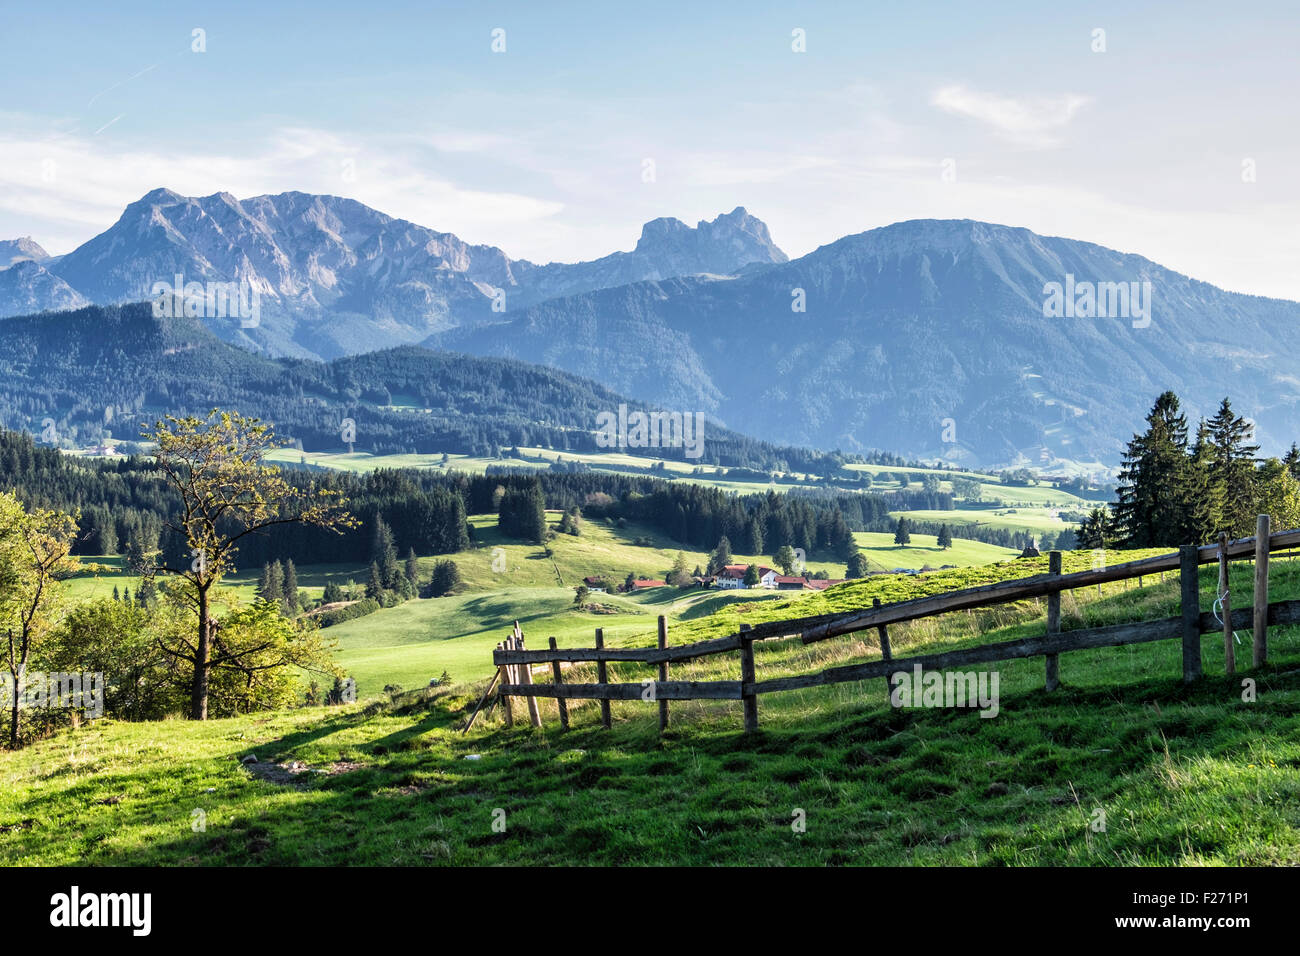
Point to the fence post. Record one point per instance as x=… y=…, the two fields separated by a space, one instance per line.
x=1053 y=661
x=886 y=654
x=602 y=676
x=1225 y=606
x=1188 y=571
x=747 y=676
x=508 y=645
x=663 y=673
x=560 y=701
x=526 y=673
x=1260 y=655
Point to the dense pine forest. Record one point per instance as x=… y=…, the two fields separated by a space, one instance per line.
x=123 y=506
x=109 y=371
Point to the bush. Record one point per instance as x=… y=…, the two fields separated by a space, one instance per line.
x=349 y=613
x=446 y=578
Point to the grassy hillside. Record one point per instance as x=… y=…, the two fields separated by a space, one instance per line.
x=361 y=461
x=1014 y=518
x=415 y=642
x=1183 y=775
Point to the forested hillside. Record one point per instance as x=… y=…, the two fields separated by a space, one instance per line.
x=78 y=377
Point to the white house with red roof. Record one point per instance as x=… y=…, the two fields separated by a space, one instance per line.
x=733 y=577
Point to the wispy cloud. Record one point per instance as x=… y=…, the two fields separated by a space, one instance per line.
x=1031 y=121
x=76 y=185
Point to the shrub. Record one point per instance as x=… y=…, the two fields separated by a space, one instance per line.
x=351 y=612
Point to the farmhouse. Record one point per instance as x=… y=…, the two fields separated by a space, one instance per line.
x=594 y=585
x=789 y=583
x=641 y=583
x=733 y=576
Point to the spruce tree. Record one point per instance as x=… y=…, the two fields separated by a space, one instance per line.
x=383 y=552
x=1095 y=531
x=721 y=556
x=273 y=592
x=1202 y=500
x=857 y=566
x=412 y=568
x=1232 y=469
x=679 y=576
x=1149 y=509
x=290 y=587
x=375 y=583
x=1292 y=461
x=902 y=532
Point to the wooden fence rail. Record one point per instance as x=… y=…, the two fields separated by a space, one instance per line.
x=514 y=662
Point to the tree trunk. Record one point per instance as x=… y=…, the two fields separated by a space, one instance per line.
x=199 y=694
x=17 y=701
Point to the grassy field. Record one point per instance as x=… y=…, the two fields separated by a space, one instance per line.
x=993 y=489
x=507 y=580
x=105 y=572
x=924 y=550
x=1179 y=775
x=1037 y=520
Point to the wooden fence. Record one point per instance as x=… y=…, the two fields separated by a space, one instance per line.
x=515 y=662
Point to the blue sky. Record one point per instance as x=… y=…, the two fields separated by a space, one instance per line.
x=541 y=149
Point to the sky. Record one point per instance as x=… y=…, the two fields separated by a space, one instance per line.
x=555 y=130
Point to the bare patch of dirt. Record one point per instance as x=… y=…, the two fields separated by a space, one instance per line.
x=297 y=774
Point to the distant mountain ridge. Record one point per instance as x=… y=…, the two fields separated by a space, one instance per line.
x=928 y=338
x=17 y=250
x=336 y=277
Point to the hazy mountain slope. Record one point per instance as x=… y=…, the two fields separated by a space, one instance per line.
x=27 y=286
x=16 y=250
x=919 y=322
x=114 y=368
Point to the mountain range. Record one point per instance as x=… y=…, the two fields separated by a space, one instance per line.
x=335 y=277
x=928 y=337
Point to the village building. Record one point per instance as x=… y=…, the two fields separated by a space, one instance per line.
x=733 y=577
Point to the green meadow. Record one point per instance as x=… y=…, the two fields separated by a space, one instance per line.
x=1123 y=765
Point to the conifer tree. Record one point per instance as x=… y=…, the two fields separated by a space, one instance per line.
x=1292 y=461
x=375 y=583
x=902 y=532
x=721 y=556
x=1202 y=501
x=271 y=589
x=290 y=587
x=1232 y=469
x=1148 y=510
